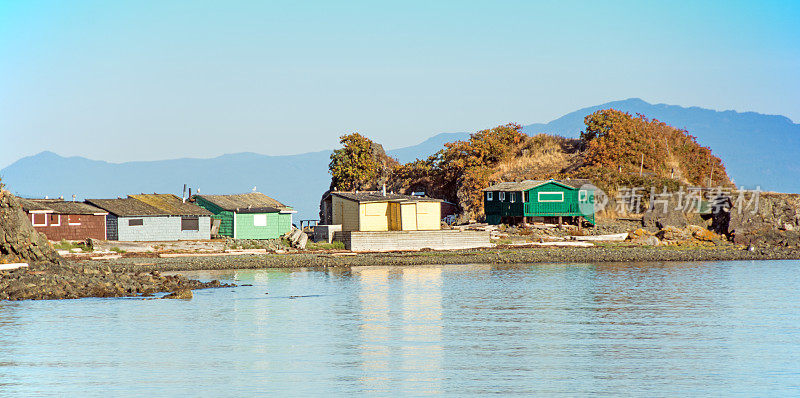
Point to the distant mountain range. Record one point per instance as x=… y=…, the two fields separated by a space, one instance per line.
x=757 y=150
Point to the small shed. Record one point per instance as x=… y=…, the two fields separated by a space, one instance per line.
x=154 y=217
x=376 y=211
x=249 y=215
x=513 y=202
x=59 y=219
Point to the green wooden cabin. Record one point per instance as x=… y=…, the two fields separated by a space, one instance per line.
x=512 y=202
x=248 y=216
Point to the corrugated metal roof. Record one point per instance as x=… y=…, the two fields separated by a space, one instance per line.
x=376 y=196
x=529 y=184
x=59 y=206
x=249 y=202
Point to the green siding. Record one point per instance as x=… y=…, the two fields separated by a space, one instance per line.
x=277 y=225
x=226 y=226
x=532 y=207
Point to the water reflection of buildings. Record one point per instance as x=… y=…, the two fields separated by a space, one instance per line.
x=401 y=329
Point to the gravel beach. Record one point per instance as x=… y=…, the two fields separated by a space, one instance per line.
x=486 y=256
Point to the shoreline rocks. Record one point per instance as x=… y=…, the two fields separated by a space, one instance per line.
x=618 y=252
x=48 y=282
x=19 y=241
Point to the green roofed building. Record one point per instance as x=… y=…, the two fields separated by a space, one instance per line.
x=249 y=215
x=513 y=202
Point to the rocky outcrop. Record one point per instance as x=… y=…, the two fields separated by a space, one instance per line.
x=182 y=294
x=297 y=238
x=18 y=240
x=770 y=219
x=48 y=282
x=670 y=214
x=691 y=235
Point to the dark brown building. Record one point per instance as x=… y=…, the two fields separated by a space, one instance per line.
x=59 y=219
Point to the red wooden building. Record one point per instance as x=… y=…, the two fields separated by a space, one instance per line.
x=59 y=219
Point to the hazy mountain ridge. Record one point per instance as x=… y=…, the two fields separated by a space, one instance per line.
x=757 y=150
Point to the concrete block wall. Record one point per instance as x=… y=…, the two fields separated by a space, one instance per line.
x=161 y=228
x=358 y=241
x=326 y=232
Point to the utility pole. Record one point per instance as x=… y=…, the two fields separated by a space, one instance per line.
x=641 y=166
x=711 y=177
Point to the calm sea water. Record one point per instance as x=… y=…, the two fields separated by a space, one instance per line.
x=644 y=330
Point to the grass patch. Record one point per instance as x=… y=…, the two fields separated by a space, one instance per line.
x=117 y=250
x=325 y=246
x=64 y=245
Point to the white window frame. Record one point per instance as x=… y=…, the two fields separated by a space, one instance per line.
x=502 y=196
x=539 y=197
x=70 y=222
x=59 y=220
x=583 y=195
x=33 y=218
x=513 y=197
x=259 y=220
x=489 y=196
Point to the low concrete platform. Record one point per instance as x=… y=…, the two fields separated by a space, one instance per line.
x=12 y=266
x=359 y=241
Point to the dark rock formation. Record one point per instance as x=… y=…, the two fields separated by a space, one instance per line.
x=182 y=294
x=18 y=240
x=769 y=219
x=47 y=282
x=50 y=277
x=670 y=213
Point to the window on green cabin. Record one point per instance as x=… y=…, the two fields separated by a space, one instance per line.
x=551 y=196
x=502 y=196
x=260 y=220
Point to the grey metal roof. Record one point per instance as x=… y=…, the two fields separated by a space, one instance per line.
x=377 y=196
x=530 y=184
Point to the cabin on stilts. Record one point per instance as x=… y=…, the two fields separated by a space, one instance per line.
x=569 y=201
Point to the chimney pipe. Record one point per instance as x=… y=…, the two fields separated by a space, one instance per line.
x=183 y=196
x=383 y=190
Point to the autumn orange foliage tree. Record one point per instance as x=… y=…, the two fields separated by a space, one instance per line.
x=359 y=164
x=460 y=170
x=618 y=140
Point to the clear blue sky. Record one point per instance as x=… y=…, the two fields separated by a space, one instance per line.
x=142 y=80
